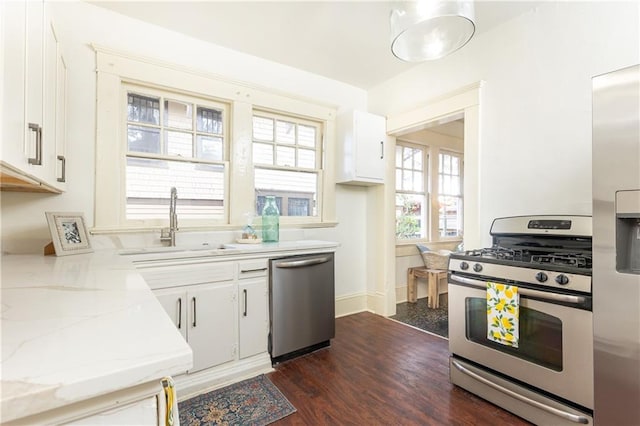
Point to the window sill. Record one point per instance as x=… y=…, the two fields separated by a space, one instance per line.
x=410 y=249
x=143 y=229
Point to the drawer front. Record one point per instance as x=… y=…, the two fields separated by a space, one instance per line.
x=253 y=268
x=181 y=275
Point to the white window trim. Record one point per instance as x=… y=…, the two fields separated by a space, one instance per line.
x=114 y=68
x=426 y=170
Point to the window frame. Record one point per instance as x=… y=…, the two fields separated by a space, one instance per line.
x=431 y=177
x=426 y=208
x=319 y=159
x=460 y=157
x=114 y=68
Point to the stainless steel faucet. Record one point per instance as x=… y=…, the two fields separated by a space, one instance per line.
x=169 y=234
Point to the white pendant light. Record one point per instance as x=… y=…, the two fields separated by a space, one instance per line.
x=430 y=29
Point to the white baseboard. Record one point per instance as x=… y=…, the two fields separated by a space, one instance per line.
x=351 y=304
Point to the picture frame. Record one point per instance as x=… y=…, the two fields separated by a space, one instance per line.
x=69 y=234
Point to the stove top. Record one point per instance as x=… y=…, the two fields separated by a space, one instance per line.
x=579 y=260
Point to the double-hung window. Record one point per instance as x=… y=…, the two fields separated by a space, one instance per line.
x=287 y=158
x=411 y=195
x=449 y=194
x=175 y=140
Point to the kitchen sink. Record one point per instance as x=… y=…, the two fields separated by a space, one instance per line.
x=210 y=249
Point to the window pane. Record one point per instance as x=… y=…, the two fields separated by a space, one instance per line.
x=306 y=158
x=200 y=189
x=455 y=166
x=446 y=164
x=407 y=180
x=178 y=114
x=299 y=206
x=179 y=143
x=209 y=120
x=262 y=128
x=285 y=132
x=407 y=155
x=287 y=184
x=446 y=185
x=417 y=159
x=306 y=136
x=418 y=181
x=455 y=185
x=262 y=153
x=398 y=156
x=450 y=216
x=209 y=148
x=285 y=156
x=143 y=139
x=143 y=109
x=398 y=179
x=409 y=216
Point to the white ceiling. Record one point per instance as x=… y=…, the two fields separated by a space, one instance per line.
x=344 y=41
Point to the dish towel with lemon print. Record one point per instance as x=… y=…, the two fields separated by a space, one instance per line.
x=503 y=308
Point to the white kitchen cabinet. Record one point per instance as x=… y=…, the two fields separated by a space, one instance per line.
x=253 y=292
x=143 y=412
x=30 y=98
x=203 y=314
x=360 y=153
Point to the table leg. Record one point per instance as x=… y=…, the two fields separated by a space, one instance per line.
x=432 y=289
x=412 y=295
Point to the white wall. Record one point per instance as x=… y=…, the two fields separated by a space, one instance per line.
x=78 y=24
x=535 y=142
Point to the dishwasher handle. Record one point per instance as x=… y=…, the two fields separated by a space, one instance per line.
x=302 y=263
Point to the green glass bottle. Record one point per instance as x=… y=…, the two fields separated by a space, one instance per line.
x=270 y=220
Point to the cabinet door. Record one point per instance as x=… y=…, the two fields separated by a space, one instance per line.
x=254 y=321
x=211 y=324
x=49 y=103
x=14 y=49
x=174 y=301
x=61 y=121
x=34 y=90
x=369 y=137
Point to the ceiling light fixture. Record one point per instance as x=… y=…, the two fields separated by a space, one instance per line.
x=430 y=29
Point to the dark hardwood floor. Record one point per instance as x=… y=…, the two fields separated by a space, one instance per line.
x=380 y=372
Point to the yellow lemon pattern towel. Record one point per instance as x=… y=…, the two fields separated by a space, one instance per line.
x=503 y=308
x=171 y=418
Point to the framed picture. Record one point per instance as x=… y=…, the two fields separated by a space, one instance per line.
x=69 y=233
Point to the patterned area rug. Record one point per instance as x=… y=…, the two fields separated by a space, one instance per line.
x=254 y=402
x=417 y=314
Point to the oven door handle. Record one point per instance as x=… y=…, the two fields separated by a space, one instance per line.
x=565 y=415
x=541 y=295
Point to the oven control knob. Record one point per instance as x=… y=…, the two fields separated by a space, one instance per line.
x=477 y=267
x=541 y=276
x=562 y=279
x=464 y=266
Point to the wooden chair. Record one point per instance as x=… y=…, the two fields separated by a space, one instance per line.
x=433 y=276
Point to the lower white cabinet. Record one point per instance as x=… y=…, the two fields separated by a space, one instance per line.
x=143 y=412
x=204 y=315
x=254 y=316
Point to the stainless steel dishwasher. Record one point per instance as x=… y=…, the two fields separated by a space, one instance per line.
x=302 y=305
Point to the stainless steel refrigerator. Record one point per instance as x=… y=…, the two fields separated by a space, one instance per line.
x=616 y=247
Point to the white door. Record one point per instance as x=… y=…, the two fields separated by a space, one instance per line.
x=211 y=323
x=253 y=313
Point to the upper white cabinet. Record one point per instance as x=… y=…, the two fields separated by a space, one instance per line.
x=33 y=100
x=360 y=153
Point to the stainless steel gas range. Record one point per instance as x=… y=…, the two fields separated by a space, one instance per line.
x=547 y=377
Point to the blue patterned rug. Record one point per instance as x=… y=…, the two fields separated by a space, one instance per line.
x=254 y=401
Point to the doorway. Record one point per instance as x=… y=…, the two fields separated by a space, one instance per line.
x=464 y=105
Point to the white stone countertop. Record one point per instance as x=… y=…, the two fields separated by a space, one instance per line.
x=79 y=326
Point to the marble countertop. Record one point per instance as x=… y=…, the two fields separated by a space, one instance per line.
x=77 y=327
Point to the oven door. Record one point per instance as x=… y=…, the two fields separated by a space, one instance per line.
x=555 y=350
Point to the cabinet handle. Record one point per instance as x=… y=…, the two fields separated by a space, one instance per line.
x=179 y=312
x=64 y=168
x=381 y=150
x=193 y=300
x=245 y=271
x=245 y=303
x=37 y=160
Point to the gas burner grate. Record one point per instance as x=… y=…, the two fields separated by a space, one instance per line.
x=578 y=260
x=498 y=252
